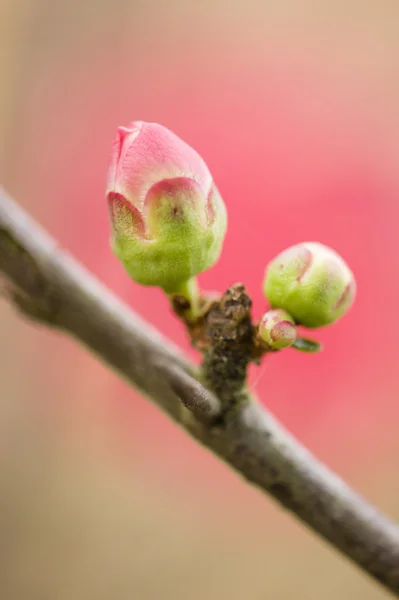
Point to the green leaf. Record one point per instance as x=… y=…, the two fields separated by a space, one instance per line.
x=307 y=345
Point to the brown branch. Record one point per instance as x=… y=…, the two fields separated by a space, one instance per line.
x=229 y=332
x=49 y=286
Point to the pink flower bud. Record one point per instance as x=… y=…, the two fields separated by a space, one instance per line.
x=168 y=219
x=277 y=329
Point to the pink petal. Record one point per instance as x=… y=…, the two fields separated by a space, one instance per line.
x=146 y=153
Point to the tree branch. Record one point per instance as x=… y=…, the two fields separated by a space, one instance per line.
x=49 y=286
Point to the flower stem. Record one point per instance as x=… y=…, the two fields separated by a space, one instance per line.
x=190 y=292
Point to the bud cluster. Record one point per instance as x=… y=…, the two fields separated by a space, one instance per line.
x=168 y=224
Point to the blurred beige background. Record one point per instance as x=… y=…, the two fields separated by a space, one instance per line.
x=100 y=496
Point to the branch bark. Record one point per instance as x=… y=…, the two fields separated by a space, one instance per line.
x=49 y=286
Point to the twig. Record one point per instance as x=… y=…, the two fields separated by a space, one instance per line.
x=229 y=332
x=48 y=285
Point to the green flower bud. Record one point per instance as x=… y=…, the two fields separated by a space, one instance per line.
x=167 y=217
x=312 y=282
x=277 y=329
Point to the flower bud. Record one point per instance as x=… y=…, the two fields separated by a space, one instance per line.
x=312 y=282
x=277 y=329
x=167 y=217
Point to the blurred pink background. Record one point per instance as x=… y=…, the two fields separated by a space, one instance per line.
x=293 y=105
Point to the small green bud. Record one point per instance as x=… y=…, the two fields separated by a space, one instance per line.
x=312 y=282
x=168 y=219
x=277 y=329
